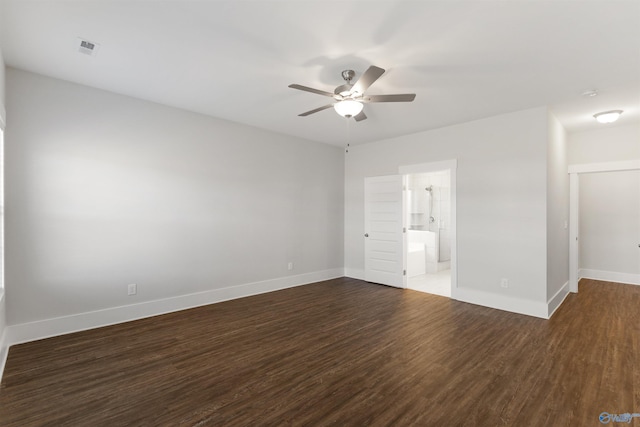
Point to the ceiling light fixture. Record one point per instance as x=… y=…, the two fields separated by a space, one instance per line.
x=590 y=93
x=608 y=116
x=348 y=108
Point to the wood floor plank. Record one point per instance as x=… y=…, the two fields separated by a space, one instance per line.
x=341 y=352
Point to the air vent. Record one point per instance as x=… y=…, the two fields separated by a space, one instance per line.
x=87 y=47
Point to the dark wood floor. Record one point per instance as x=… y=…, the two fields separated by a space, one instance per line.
x=341 y=352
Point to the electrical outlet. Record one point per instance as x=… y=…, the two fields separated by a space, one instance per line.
x=132 y=289
x=504 y=282
x=290 y=266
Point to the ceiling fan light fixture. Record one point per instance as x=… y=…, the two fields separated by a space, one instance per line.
x=608 y=116
x=348 y=108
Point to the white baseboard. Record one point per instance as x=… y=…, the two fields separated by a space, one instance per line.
x=609 y=276
x=354 y=273
x=557 y=300
x=486 y=299
x=4 y=352
x=503 y=302
x=4 y=346
x=25 y=332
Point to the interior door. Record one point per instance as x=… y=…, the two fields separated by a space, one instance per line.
x=383 y=235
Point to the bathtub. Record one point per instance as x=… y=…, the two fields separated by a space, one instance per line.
x=416 y=261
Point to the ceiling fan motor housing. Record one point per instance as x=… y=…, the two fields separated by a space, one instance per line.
x=348 y=75
x=344 y=89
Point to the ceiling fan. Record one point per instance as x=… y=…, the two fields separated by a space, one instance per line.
x=350 y=97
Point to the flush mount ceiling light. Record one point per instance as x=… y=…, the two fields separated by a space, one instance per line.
x=348 y=108
x=608 y=116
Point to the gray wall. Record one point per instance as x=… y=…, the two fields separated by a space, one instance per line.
x=105 y=190
x=610 y=222
x=609 y=144
x=609 y=201
x=2 y=121
x=501 y=197
x=557 y=208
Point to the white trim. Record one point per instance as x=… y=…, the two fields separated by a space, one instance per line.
x=610 y=276
x=574 y=212
x=4 y=349
x=503 y=302
x=453 y=180
x=428 y=167
x=574 y=229
x=4 y=352
x=25 y=332
x=557 y=300
x=625 y=165
x=405 y=227
x=4 y=346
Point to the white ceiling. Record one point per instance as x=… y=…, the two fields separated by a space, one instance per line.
x=234 y=59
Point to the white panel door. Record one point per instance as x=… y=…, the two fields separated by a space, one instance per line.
x=383 y=236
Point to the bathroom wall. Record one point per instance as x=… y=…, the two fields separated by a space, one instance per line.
x=419 y=205
x=438 y=254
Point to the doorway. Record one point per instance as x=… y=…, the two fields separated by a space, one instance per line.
x=387 y=223
x=428 y=219
x=575 y=273
x=430 y=192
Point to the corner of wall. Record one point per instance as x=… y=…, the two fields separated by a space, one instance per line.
x=3 y=112
x=556 y=301
x=557 y=208
x=4 y=348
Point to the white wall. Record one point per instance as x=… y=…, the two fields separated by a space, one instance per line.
x=557 y=209
x=105 y=190
x=608 y=144
x=609 y=204
x=2 y=85
x=3 y=346
x=610 y=222
x=501 y=199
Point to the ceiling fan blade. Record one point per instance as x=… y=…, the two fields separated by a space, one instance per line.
x=360 y=116
x=405 y=97
x=315 y=110
x=372 y=74
x=312 y=90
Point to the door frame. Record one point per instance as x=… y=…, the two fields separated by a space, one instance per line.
x=574 y=208
x=439 y=166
